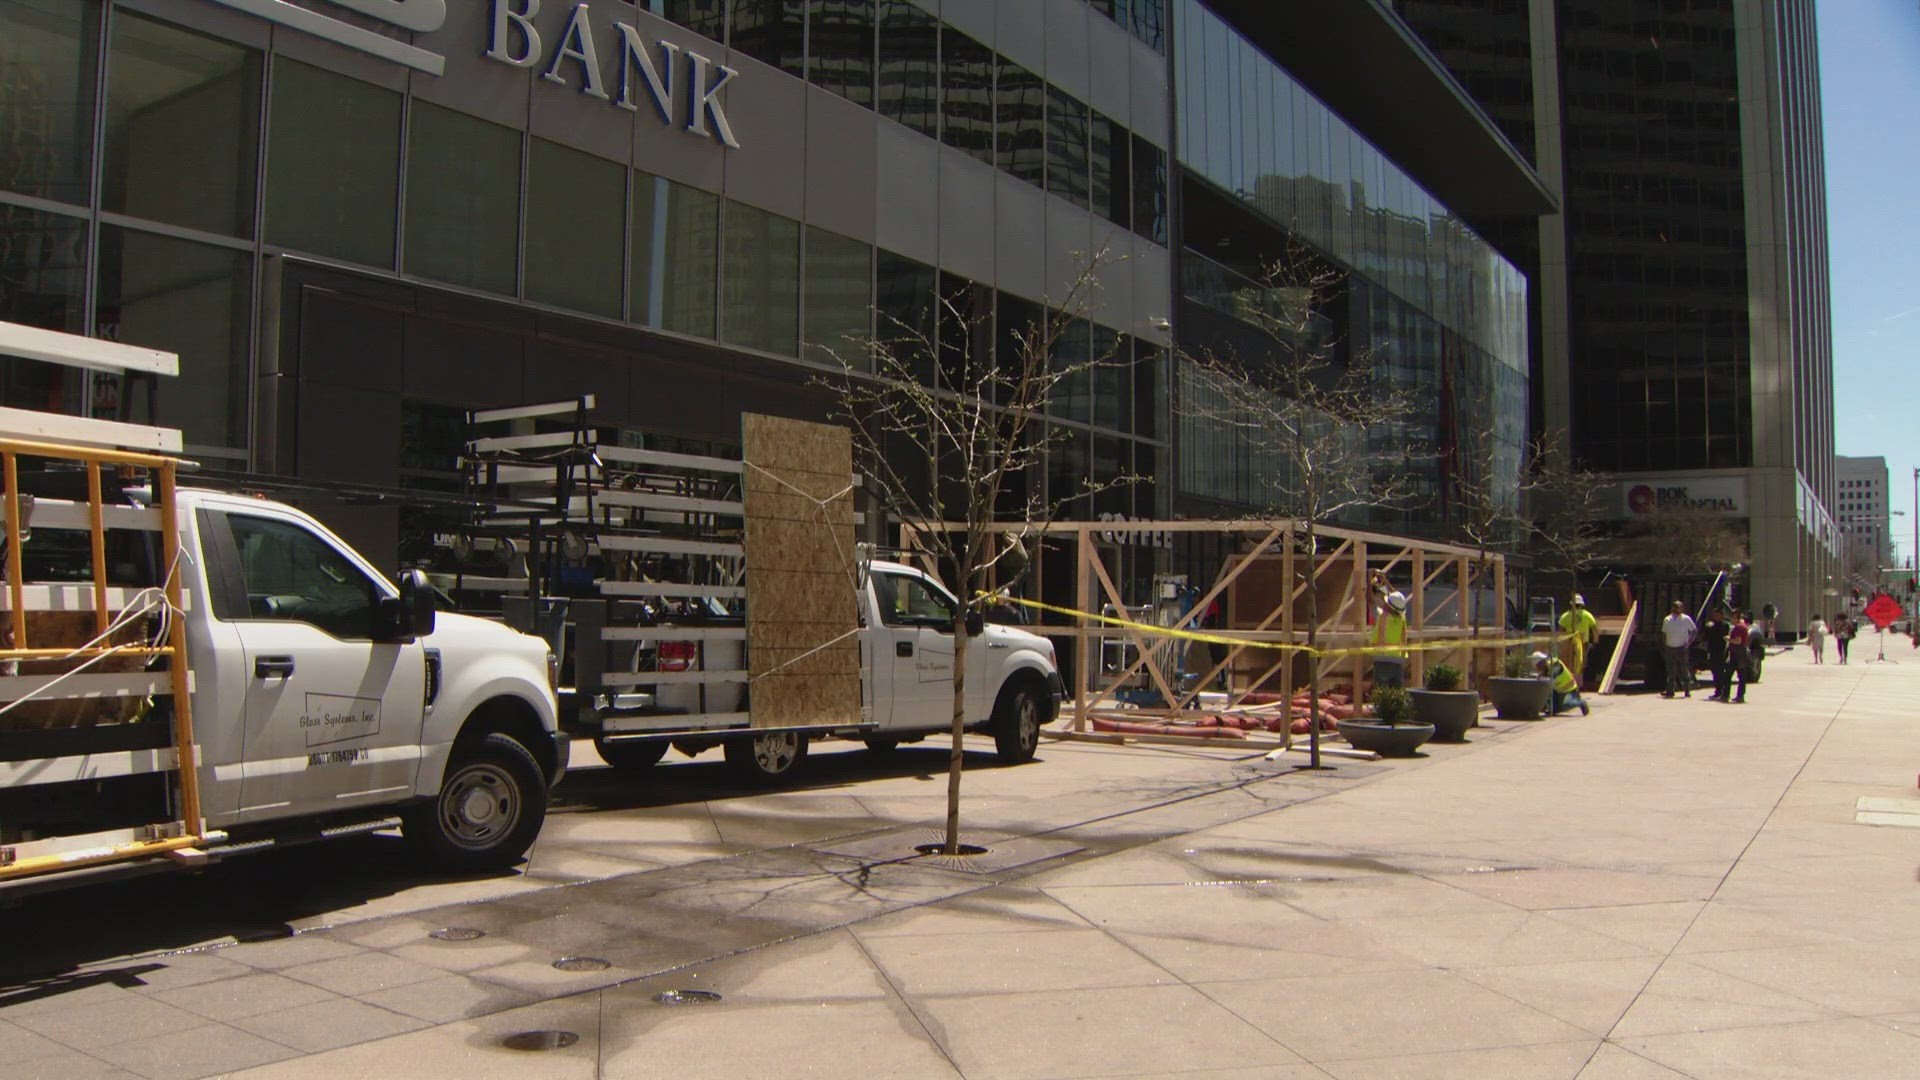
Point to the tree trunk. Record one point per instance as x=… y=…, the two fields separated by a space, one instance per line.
x=1313 y=658
x=957 y=755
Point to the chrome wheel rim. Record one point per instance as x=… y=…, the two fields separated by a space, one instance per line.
x=775 y=753
x=479 y=806
x=1027 y=713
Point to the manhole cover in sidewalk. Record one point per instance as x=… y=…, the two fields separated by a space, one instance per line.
x=457 y=933
x=581 y=963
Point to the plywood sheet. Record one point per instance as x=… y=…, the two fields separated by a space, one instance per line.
x=802 y=650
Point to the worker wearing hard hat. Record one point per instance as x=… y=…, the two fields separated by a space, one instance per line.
x=1390 y=632
x=1581 y=632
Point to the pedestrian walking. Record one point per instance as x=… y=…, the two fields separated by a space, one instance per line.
x=1843 y=631
x=1582 y=632
x=1714 y=634
x=1677 y=632
x=1739 y=655
x=1565 y=689
x=1817 y=639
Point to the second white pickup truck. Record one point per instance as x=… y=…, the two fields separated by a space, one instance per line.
x=906 y=644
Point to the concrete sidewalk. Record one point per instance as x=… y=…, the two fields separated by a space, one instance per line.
x=1665 y=889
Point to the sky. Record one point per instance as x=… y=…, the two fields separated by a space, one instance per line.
x=1870 y=93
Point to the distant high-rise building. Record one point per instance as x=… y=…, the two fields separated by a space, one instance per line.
x=1681 y=314
x=1861 y=484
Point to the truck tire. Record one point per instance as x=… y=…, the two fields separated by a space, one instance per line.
x=765 y=758
x=631 y=755
x=1016 y=724
x=492 y=802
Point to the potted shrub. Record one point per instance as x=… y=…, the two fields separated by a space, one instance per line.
x=1445 y=705
x=1392 y=731
x=1518 y=692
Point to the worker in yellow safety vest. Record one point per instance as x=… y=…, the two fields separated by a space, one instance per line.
x=1390 y=629
x=1566 y=690
x=1582 y=632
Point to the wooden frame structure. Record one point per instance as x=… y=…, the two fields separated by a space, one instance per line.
x=1257 y=614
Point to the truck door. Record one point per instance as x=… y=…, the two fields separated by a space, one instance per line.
x=333 y=717
x=916 y=647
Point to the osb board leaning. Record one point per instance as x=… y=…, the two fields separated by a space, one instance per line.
x=797 y=550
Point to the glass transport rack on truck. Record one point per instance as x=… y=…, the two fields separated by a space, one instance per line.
x=188 y=674
x=700 y=602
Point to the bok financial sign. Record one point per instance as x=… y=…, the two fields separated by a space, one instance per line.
x=625 y=70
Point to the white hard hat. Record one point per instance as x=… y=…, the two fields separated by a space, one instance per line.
x=1538 y=658
x=1579 y=601
x=1397 y=601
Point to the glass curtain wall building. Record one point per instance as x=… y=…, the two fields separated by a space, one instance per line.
x=353 y=232
x=1439 y=310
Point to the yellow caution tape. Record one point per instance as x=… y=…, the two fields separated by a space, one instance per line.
x=1288 y=646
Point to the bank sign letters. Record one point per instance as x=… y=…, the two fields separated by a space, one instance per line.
x=513 y=39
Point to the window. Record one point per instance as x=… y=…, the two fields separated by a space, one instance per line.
x=840 y=46
x=182 y=127
x=966 y=95
x=1020 y=122
x=463 y=199
x=188 y=298
x=1071 y=397
x=910 y=67
x=333 y=165
x=576 y=232
x=1149 y=190
x=43 y=283
x=676 y=256
x=1112 y=380
x=291 y=575
x=772 y=32
x=46 y=97
x=1112 y=180
x=911 y=601
x=761 y=268
x=838 y=283
x=1067 y=168
x=700 y=16
x=904 y=302
x=1149 y=390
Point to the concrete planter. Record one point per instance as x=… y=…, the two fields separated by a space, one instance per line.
x=1451 y=712
x=1387 y=740
x=1518 y=699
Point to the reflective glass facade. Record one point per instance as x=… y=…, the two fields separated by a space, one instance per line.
x=1433 y=304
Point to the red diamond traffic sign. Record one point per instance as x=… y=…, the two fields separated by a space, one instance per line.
x=1883 y=609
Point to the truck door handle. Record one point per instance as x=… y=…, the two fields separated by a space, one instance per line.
x=268 y=667
x=903 y=648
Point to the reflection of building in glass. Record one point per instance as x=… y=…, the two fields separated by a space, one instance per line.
x=1681 y=320
x=1435 y=307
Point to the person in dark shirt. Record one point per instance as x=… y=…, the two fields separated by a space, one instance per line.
x=1740 y=654
x=1713 y=634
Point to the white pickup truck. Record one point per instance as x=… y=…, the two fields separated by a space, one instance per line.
x=906 y=645
x=325 y=700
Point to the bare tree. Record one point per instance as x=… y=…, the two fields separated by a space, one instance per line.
x=952 y=435
x=1686 y=542
x=1319 y=409
x=1533 y=501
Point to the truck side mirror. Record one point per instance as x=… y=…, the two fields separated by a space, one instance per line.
x=417 y=594
x=976 y=623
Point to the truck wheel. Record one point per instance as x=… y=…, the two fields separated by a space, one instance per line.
x=1016 y=725
x=631 y=755
x=492 y=802
x=762 y=758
